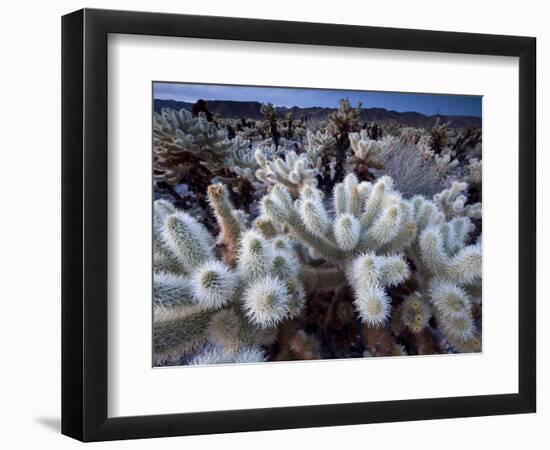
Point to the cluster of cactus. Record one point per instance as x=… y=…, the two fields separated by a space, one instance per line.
x=443 y=146
x=443 y=160
x=193 y=148
x=270 y=116
x=411 y=135
x=449 y=270
x=240 y=158
x=453 y=202
x=345 y=119
x=226 y=300
x=341 y=123
x=366 y=153
x=179 y=139
x=345 y=232
x=231 y=294
x=473 y=172
x=291 y=170
x=441 y=137
x=321 y=150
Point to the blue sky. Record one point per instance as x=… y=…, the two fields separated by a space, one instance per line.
x=428 y=104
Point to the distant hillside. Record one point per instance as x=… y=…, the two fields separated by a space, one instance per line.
x=251 y=110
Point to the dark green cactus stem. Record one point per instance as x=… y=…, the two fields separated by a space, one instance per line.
x=179 y=334
x=223 y=210
x=321 y=279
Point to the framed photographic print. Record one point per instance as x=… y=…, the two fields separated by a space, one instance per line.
x=273 y=224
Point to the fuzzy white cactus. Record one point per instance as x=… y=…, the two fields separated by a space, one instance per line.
x=230 y=220
x=294 y=171
x=450 y=300
x=320 y=149
x=415 y=313
x=444 y=162
x=423 y=146
x=266 y=301
x=369 y=275
x=240 y=158
x=363 y=147
x=177 y=332
x=249 y=355
x=255 y=255
x=188 y=239
x=450 y=268
x=382 y=214
x=452 y=202
x=213 y=284
x=347 y=231
x=474 y=172
x=367 y=218
x=177 y=135
x=312 y=212
x=362 y=255
x=219 y=355
x=412 y=135
x=265 y=288
x=165 y=260
x=171 y=290
x=366 y=153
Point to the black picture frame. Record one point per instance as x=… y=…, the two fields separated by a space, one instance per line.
x=84 y=224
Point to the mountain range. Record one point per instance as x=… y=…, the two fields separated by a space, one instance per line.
x=251 y=110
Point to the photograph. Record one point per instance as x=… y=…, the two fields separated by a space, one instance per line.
x=294 y=224
x=259 y=225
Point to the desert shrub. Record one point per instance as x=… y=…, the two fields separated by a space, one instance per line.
x=411 y=173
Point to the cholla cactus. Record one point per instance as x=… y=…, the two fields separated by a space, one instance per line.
x=473 y=172
x=411 y=135
x=268 y=111
x=331 y=252
x=342 y=122
x=444 y=162
x=453 y=308
x=320 y=149
x=262 y=291
x=213 y=284
x=449 y=271
x=378 y=211
x=218 y=355
x=441 y=137
x=195 y=150
x=266 y=301
x=179 y=139
x=187 y=241
x=240 y=158
x=369 y=274
x=442 y=159
x=365 y=155
x=452 y=202
x=270 y=115
x=229 y=219
x=415 y=313
x=365 y=234
x=424 y=149
x=368 y=218
x=345 y=119
x=293 y=171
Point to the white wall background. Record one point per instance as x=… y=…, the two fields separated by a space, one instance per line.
x=30 y=225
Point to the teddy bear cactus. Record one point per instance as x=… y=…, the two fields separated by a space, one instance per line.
x=327 y=255
x=366 y=236
x=192 y=284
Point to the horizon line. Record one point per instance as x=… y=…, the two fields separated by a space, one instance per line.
x=428 y=104
x=320 y=107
